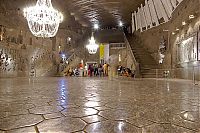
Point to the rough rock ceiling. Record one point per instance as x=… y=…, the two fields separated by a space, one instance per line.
x=85 y=12
x=104 y=12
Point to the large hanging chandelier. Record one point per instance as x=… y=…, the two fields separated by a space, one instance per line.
x=92 y=46
x=43 y=19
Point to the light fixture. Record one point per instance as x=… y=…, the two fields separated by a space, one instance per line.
x=63 y=57
x=177 y=29
x=191 y=16
x=92 y=46
x=120 y=24
x=183 y=23
x=120 y=59
x=69 y=39
x=173 y=33
x=96 y=26
x=43 y=19
x=165 y=30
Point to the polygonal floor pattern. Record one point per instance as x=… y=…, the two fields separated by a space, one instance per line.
x=98 y=105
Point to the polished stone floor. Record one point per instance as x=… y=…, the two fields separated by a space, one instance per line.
x=98 y=105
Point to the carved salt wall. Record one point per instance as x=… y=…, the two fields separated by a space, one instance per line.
x=174 y=59
x=20 y=52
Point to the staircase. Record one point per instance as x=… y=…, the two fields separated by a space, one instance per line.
x=147 y=64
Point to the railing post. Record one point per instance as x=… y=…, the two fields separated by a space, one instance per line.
x=131 y=52
x=156 y=74
x=193 y=75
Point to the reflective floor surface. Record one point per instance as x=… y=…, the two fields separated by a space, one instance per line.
x=98 y=105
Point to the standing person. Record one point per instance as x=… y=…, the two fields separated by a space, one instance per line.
x=91 y=70
x=105 y=69
x=97 y=66
x=85 y=70
x=95 y=70
x=100 y=70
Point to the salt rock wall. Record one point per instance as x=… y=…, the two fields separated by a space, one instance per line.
x=21 y=53
x=151 y=39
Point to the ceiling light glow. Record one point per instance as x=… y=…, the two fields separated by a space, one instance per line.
x=120 y=24
x=96 y=26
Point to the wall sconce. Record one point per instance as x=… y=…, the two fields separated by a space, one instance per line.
x=191 y=16
x=183 y=23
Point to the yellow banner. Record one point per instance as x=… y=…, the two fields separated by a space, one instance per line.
x=101 y=47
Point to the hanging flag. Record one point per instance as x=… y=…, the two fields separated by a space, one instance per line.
x=101 y=47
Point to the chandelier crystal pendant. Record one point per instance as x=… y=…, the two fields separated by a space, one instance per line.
x=43 y=19
x=92 y=46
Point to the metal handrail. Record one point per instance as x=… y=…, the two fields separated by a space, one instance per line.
x=129 y=48
x=73 y=55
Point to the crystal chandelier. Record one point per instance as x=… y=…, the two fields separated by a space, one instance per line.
x=92 y=46
x=43 y=19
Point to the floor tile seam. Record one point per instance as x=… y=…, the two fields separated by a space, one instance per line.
x=79 y=131
x=185 y=127
x=186 y=119
x=20 y=127
x=17 y=128
x=85 y=124
x=159 y=122
x=36 y=129
x=95 y=121
x=44 y=113
x=81 y=116
x=102 y=116
x=135 y=125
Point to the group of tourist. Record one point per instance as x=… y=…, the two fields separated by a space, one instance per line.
x=123 y=71
x=90 y=70
x=97 y=70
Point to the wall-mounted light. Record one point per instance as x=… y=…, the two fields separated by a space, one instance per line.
x=69 y=39
x=191 y=16
x=1 y=37
x=183 y=23
x=63 y=56
x=173 y=33
x=165 y=30
x=177 y=29
x=96 y=26
x=120 y=59
x=120 y=24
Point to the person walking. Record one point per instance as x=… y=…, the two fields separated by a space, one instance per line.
x=105 y=69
